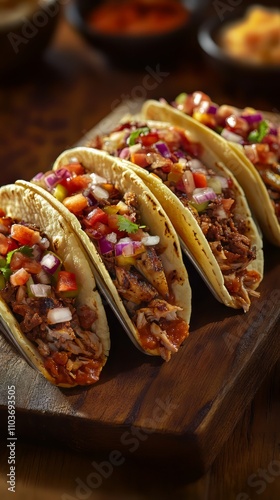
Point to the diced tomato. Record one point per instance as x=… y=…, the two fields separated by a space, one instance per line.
x=66 y=282
x=199 y=179
x=98 y=230
x=75 y=168
x=140 y=159
x=19 y=260
x=167 y=167
x=13 y=245
x=5 y=224
x=96 y=215
x=2 y=213
x=198 y=97
x=20 y=277
x=113 y=223
x=75 y=203
x=227 y=203
x=149 y=138
x=193 y=148
x=24 y=235
x=4 y=244
x=77 y=183
x=60 y=357
x=138 y=235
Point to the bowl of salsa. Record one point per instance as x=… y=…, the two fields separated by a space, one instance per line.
x=135 y=31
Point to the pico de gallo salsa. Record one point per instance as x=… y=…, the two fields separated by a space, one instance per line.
x=41 y=293
x=168 y=153
x=259 y=137
x=130 y=253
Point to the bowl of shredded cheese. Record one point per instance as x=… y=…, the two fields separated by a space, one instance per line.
x=246 y=40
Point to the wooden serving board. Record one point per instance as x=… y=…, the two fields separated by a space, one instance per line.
x=180 y=412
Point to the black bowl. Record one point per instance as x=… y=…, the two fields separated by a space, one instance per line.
x=135 y=50
x=24 y=37
x=231 y=67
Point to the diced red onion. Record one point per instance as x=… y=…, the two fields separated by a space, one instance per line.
x=212 y=110
x=63 y=173
x=163 y=149
x=124 y=153
x=38 y=176
x=127 y=248
x=122 y=243
x=55 y=177
x=188 y=181
x=231 y=136
x=50 y=263
x=105 y=246
x=179 y=154
x=150 y=240
x=201 y=195
x=59 y=315
x=40 y=290
x=273 y=131
x=252 y=118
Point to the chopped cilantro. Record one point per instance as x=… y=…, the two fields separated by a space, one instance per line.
x=124 y=224
x=4 y=269
x=134 y=135
x=258 y=134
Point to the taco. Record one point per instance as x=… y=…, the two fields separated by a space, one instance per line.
x=186 y=172
x=130 y=242
x=255 y=139
x=48 y=297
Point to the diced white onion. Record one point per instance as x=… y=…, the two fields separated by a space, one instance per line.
x=40 y=290
x=97 y=179
x=112 y=237
x=231 y=136
x=196 y=166
x=135 y=147
x=59 y=315
x=100 y=193
x=150 y=240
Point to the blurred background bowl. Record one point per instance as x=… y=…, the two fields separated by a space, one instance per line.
x=135 y=48
x=209 y=38
x=26 y=28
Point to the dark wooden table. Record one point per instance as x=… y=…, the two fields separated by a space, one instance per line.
x=43 y=112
